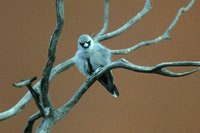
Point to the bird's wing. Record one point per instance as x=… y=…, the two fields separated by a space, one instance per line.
x=107 y=81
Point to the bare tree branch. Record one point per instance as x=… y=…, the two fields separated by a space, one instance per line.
x=27 y=97
x=131 y=22
x=32 y=119
x=46 y=125
x=36 y=96
x=158 y=69
x=123 y=63
x=165 y=35
x=22 y=103
x=49 y=73
x=106 y=18
x=46 y=109
x=52 y=55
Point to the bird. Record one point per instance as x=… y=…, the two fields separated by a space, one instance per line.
x=92 y=55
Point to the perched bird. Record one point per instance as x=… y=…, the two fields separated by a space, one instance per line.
x=90 y=56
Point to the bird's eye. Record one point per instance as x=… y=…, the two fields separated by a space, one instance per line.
x=81 y=43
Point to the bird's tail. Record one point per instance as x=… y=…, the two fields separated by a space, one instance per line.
x=107 y=81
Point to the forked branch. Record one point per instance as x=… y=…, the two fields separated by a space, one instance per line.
x=164 y=36
x=126 y=26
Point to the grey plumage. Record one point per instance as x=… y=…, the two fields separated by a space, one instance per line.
x=90 y=56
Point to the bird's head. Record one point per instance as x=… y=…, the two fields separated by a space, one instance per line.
x=85 y=42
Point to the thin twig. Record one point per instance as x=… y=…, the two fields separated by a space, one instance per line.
x=24 y=82
x=106 y=19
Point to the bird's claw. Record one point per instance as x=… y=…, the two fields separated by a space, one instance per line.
x=97 y=70
x=94 y=73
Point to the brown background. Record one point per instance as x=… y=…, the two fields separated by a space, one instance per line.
x=147 y=103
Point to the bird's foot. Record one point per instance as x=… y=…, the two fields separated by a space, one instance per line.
x=94 y=73
x=97 y=70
